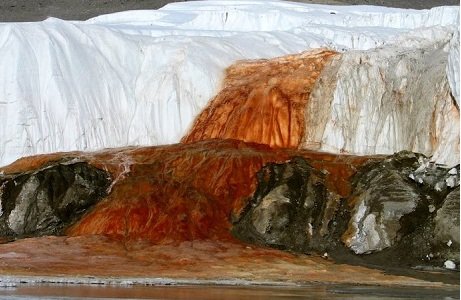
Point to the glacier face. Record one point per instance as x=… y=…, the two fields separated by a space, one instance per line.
x=141 y=77
x=453 y=66
x=384 y=100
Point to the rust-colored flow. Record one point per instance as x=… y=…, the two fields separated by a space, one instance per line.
x=178 y=193
x=184 y=192
x=262 y=101
x=168 y=216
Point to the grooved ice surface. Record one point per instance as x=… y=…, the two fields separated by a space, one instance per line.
x=384 y=100
x=141 y=77
x=453 y=66
x=262 y=101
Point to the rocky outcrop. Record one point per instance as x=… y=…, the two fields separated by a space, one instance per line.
x=176 y=193
x=403 y=210
x=394 y=198
x=291 y=209
x=447 y=219
x=446 y=229
x=190 y=191
x=46 y=201
x=375 y=218
x=183 y=192
x=262 y=101
x=396 y=210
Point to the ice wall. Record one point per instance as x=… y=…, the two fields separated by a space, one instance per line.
x=384 y=100
x=141 y=77
x=453 y=66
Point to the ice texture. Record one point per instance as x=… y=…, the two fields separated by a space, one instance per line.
x=453 y=66
x=384 y=100
x=141 y=77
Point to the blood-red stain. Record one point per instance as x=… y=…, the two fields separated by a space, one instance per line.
x=262 y=101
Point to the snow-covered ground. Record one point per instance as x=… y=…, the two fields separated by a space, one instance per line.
x=141 y=77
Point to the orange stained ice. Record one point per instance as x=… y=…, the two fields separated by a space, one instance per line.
x=262 y=101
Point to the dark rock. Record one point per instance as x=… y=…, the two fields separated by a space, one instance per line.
x=433 y=178
x=46 y=201
x=291 y=209
x=447 y=219
x=392 y=198
x=403 y=212
x=432 y=239
x=382 y=195
x=446 y=229
x=397 y=207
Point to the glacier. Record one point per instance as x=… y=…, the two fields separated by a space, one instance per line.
x=142 y=77
x=385 y=99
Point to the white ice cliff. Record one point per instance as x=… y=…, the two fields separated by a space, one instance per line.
x=384 y=100
x=453 y=65
x=141 y=77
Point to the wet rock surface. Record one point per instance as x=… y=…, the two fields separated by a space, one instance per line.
x=291 y=209
x=173 y=193
x=447 y=219
x=396 y=209
x=299 y=201
x=47 y=200
x=403 y=212
x=446 y=229
x=387 y=191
